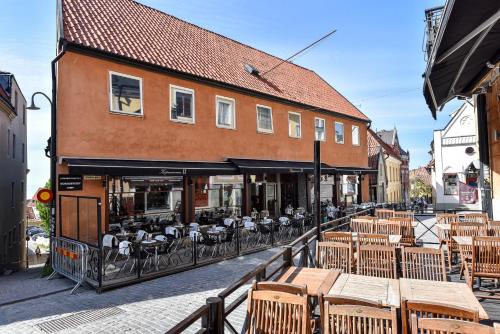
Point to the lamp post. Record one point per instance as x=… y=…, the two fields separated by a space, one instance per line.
x=50 y=153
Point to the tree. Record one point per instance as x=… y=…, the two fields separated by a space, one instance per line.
x=420 y=189
x=44 y=210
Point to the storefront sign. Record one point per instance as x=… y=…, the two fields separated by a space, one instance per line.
x=70 y=182
x=165 y=171
x=468 y=194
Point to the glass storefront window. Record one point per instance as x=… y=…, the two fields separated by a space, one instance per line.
x=450 y=184
x=218 y=192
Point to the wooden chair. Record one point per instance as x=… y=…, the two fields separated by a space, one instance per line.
x=423 y=263
x=437 y=325
x=405 y=214
x=372 y=218
x=373 y=239
x=362 y=225
x=451 y=246
x=445 y=218
x=471 y=229
x=345 y=237
x=358 y=318
x=419 y=309
x=335 y=255
x=278 y=308
x=485 y=259
x=384 y=226
x=494 y=228
x=474 y=218
x=384 y=213
x=376 y=260
x=407 y=231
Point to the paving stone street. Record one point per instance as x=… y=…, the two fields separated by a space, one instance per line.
x=150 y=307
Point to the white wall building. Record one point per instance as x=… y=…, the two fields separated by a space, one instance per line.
x=455 y=176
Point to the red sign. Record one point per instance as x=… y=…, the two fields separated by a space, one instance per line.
x=468 y=194
x=44 y=195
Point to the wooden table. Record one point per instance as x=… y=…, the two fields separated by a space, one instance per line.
x=449 y=293
x=463 y=241
x=394 y=239
x=317 y=280
x=376 y=289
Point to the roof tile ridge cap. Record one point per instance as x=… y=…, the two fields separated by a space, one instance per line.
x=218 y=34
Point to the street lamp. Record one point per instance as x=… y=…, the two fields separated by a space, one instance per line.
x=50 y=153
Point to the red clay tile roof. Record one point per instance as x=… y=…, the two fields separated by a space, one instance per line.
x=374 y=142
x=130 y=29
x=423 y=174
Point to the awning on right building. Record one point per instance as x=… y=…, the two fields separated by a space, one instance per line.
x=466 y=47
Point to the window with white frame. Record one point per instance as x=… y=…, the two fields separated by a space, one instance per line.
x=264 y=119
x=125 y=94
x=225 y=112
x=319 y=129
x=339 y=133
x=355 y=135
x=181 y=104
x=294 y=126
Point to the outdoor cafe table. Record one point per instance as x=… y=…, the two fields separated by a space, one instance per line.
x=449 y=293
x=376 y=289
x=463 y=241
x=318 y=281
x=394 y=239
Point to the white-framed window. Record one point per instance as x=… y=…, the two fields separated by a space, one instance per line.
x=339 y=133
x=264 y=119
x=225 y=112
x=294 y=125
x=125 y=94
x=181 y=104
x=355 y=135
x=319 y=129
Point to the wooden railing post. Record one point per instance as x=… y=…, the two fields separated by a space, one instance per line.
x=287 y=256
x=305 y=253
x=261 y=276
x=214 y=322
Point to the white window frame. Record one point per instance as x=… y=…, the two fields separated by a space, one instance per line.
x=184 y=120
x=111 y=73
x=266 y=131
x=324 y=128
x=359 y=135
x=335 y=133
x=227 y=100
x=300 y=124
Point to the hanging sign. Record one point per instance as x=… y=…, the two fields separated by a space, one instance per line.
x=44 y=195
x=70 y=182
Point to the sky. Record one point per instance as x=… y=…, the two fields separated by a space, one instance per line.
x=374 y=59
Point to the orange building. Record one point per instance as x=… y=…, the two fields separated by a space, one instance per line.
x=158 y=117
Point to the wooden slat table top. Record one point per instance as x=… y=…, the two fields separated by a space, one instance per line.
x=393 y=238
x=450 y=293
x=317 y=280
x=443 y=226
x=463 y=241
x=376 y=289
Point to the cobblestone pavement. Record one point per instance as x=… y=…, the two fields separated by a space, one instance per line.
x=149 y=307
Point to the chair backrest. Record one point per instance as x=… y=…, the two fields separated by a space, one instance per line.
x=340 y=319
x=384 y=226
x=384 y=213
x=423 y=263
x=420 y=309
x=277 y=307
x=372 y=218
x=109 y=240
x=345 y=237
x=284 y=221
x=407 y=230
x=405 y=214
x=194 y=227
x=124 y=247
x=249 y=225
x=169 y=230
x=438 y=325
x=376 y=260
x=494 y=228
x=446 y=218
x=474 y=218
x=486 y=256
x=228 y=221
x=334 y=255
x=373 y=239
x=140 y=235
x=160 y=238
x=362 y=225
x=470 y=229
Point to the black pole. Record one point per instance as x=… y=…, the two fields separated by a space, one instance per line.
x=317 y=183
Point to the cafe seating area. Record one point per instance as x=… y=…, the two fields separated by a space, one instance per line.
x=376 y=278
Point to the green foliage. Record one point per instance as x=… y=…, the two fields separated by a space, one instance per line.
x=420 y=189
x=44 y=211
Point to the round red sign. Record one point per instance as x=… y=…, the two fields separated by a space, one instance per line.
x=44 y=195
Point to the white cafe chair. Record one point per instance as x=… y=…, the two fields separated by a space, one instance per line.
x=140 y=235
x=160 y=238
x=228 y=222
x=169 y=230
x=194 y=227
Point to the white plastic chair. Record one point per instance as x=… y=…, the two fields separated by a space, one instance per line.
x=194 y=227
x=284 y=221
x=267 y=221
x=161 y=238
x=249 y=225
x=246 y=219
x=220 y=228
x=169 y=230
x=140 y=235
x=228 y=222
x=195 y=234
x=124 y=248
x=109 y=240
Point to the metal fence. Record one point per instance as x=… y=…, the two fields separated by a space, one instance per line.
x=69 y=258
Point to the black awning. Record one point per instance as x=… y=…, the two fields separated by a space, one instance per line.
x=467 y=40
x=253 y=166
x=351 y=170
x=147 y=168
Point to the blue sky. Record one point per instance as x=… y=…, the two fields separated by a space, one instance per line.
x=375 y=59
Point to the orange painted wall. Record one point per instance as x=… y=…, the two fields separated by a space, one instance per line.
x=86 y=128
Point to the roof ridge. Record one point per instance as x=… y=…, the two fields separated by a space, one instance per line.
x=219 y=34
